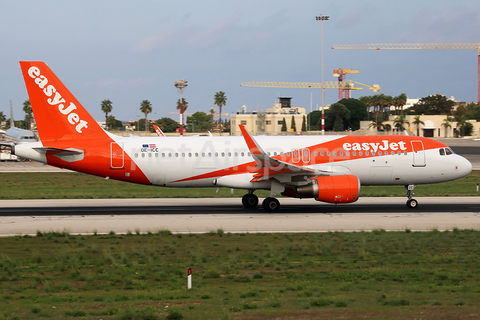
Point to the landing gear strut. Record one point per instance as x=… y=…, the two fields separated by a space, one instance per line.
x=411 y=203
x=250 y=200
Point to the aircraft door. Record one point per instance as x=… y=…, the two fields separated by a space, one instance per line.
x=301 y=154
x=117 y=160
x=418 y=154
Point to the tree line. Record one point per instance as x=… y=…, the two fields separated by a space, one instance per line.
x=197 y=122
x=344 y=115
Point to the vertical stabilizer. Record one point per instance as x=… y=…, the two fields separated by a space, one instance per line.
x=58 y=114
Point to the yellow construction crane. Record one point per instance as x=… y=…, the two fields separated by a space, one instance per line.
x=347 y=85
x=418 y=46
x=343 y=90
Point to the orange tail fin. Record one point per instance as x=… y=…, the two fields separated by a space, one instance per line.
x=59 y=116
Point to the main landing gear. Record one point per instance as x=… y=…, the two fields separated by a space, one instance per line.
x=270 y=204
x=250 y=200
x=411 y=203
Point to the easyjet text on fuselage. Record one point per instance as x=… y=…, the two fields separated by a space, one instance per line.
x=385 y=145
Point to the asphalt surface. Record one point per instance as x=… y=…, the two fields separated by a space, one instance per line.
x=204 y=215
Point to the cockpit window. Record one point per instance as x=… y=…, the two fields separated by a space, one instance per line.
x=445 y=151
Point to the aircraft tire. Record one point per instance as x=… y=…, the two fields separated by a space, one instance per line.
x=271 y=204
x=250 y=200
x=412 y=203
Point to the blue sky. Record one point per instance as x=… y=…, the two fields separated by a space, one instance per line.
x=129 y=51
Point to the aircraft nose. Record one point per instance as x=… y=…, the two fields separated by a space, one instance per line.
x=464 y=167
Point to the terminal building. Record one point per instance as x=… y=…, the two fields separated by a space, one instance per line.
x=270 y=121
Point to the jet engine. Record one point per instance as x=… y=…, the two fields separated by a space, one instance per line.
x=331 y=189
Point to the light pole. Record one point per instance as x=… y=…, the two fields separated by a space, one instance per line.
x=181 y=85
x=322 y=18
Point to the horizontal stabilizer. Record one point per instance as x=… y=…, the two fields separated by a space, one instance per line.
x=69 y=154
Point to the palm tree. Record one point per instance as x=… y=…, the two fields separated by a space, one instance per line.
x=378 y=124
x=400 y=122
x=446 y=124
x=2 y=118
x=399 y=101
x=146 y=108
x=27 y=107
x=367 y=100
x=106 y=107
x=220 y=101
x=416 y=121
x=461 y=123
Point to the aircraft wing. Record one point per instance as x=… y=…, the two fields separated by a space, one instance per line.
x=271 y=165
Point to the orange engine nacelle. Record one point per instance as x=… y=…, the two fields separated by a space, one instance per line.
x=332 y=189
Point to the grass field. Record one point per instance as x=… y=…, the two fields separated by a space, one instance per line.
x=362 y=275
x=32 y=185
x=335 y=275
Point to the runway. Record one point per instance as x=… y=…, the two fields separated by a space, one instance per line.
x=204 y=215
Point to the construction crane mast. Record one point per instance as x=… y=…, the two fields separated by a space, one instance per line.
x=417 y=46
x=343 y=90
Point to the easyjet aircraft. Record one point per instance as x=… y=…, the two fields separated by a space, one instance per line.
x=326 y=168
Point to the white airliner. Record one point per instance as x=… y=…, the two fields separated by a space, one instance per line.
x=326 y=168
x=18 y=135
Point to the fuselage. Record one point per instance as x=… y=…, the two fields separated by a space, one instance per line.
x=197 y=161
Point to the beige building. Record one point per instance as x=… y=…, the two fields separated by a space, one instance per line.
x=269 y=122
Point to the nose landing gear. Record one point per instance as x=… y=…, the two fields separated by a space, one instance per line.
x=411 y=203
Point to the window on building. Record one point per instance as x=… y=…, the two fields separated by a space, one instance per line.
x=268 y=122
x=243 y=122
